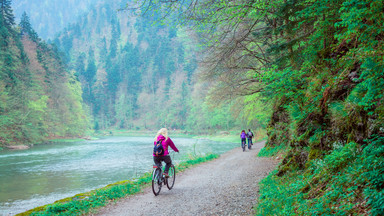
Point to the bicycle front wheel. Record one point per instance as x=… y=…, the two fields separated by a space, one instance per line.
x=156 y=181
x=172 y=177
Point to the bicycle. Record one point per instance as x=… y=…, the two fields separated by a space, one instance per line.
x=158 y=178
x=243 y=143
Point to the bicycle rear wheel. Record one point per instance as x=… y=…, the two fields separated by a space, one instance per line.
x=156 y=181
x=172 y=177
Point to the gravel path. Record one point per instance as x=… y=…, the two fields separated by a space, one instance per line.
x=225 y=186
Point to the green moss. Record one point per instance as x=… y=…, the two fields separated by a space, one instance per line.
x=37 y=209
x=315 y=154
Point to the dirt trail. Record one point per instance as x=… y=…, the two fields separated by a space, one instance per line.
x=225 y=186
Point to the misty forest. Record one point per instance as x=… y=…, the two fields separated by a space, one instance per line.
x=307 y=76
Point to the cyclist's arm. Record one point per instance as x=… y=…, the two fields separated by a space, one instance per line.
x=172 y=145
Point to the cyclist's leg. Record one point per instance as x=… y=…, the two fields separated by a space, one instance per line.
x=168 y=163
x=157 y=161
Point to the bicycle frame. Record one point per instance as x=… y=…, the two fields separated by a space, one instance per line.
x=158 y=178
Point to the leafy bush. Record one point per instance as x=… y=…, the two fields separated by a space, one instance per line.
x=348 y=181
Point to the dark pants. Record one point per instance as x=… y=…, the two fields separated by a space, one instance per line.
x=249 y=143
x=166 y=159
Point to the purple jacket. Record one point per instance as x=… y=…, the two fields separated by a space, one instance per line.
x=165 y=144
x=243 y=135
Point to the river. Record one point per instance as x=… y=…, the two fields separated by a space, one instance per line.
x=46 y=173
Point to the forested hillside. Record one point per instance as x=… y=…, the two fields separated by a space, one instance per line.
x=136 y=75
x=110 y=70
x=320 y=66
x=39 y=97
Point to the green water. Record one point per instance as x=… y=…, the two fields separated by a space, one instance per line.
x=46 y=173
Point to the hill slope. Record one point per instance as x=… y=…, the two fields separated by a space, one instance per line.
x=136 y=75
x=39 y=98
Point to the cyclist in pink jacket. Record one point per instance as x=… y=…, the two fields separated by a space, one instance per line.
x=162 y=135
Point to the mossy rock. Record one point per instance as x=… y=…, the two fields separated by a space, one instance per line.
x=37 y=209
x=315 y=154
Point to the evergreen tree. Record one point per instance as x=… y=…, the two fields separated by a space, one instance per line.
x=8 y=19
x=4 y=34
x=103 y=51
x=80 y=65
x=90 y=72
x=26 y=27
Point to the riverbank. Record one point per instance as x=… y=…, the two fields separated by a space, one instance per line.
x=87 y=202
x=46 y=173
x=74 y=166
x=220 y=136
x=47 y=141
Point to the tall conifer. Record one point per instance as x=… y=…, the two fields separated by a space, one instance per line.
x=7 y=13
x=26 y=27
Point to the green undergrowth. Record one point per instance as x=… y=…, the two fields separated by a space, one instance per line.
x=269 y=151
x=83 y=203
x=348 y=181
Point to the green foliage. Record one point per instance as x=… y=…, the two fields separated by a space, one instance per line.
x=38 y=99
x=336 y=185
x=6 y=14
x=269 y=151
x=325 y=81
x=257 y=111
x=138 y=75
x=26 y=28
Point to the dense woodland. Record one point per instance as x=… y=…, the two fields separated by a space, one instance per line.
x=39 y=97
x=136 y=75
x=319 y=66
x=121 y=71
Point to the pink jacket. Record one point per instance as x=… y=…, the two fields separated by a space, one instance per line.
x=165 y=144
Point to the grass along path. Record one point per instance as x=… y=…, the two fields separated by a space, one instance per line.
x=225 y=186
x=86 y=202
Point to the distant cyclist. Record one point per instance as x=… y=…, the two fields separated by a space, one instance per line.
x=243 y=137
x=250 y=136
x=163 y=139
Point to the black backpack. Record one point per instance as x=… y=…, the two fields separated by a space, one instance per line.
x=158 y=150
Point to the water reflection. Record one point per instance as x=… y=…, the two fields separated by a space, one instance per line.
x=46 y=173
